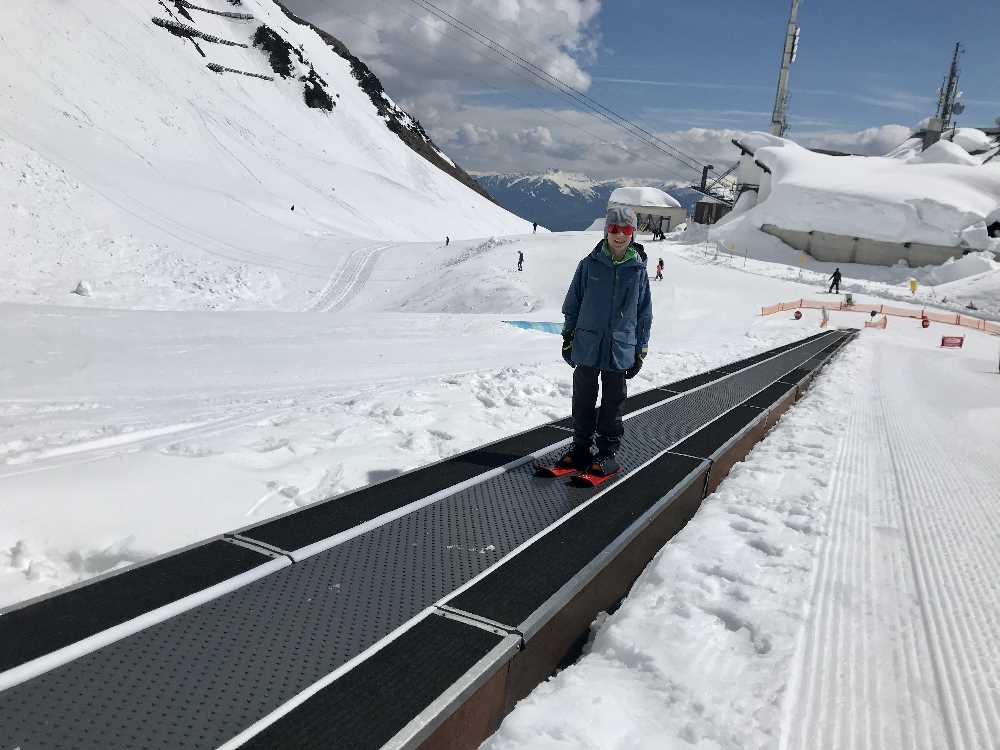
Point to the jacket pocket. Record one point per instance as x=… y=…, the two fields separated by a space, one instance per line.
x=622 y=349
x=586 y=345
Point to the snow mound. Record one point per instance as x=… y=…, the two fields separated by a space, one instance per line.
x=972 y=140
x=597 y=225
x=84 y=289
x=946 y=152
x=693 y=234
x=963 y=146
x=961 y=268
x=642 y=197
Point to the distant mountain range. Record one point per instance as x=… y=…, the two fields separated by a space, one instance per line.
x=563 y=201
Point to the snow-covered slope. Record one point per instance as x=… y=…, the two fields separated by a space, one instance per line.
x=563 y=201
x=124 y=157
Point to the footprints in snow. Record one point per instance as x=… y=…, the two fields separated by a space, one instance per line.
x=753 y=526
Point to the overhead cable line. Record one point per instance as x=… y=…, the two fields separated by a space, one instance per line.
x=566 y=89
x=515 y=71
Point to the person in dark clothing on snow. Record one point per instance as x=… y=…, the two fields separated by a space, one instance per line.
x=534 y=227
x=447 y=241
x=835 y=281
x=609 y=314
x=520 y=260
x=659 y=270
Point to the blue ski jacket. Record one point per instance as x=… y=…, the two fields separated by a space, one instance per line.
x=608 y=310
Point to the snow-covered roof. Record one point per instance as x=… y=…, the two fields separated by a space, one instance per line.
x=941 y=196
x=642 y=199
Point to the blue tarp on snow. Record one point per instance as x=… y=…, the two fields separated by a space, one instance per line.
x=532 y=325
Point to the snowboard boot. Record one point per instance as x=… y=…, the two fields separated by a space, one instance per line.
x=604 y=464
x=578 y=457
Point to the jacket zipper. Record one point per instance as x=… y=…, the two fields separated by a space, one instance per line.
x=624 y=305
x=614 y=288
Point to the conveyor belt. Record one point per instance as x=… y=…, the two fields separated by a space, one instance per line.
x=196 y=648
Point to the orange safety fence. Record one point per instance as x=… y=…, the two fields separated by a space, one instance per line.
x=955 y=319
x=942 y=317
x=814 y=305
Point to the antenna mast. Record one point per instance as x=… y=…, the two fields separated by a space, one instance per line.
x=948 y=103
x=779 y=124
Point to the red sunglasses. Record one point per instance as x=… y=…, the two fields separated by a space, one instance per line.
x=620 y=229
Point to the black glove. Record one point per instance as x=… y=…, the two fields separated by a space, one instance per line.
x=640 y=355
x=567 y=348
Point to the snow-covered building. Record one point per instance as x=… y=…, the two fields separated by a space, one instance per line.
x=916 y=206
x=656 y=209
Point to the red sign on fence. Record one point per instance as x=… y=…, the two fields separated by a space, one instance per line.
x=952 y=342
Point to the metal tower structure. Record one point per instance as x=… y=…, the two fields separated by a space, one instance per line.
x=949 y=103
x=948 y=95
x=779 y=124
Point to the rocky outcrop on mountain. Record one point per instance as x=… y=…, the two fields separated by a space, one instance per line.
x=408 y=128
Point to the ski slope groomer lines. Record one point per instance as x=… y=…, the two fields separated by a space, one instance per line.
x=348 y=280
x=901 y=645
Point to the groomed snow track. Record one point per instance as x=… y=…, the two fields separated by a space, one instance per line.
x=410 y=613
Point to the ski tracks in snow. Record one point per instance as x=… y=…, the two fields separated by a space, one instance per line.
x=348 y=280
x=900 y=649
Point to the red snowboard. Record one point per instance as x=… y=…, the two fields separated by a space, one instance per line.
x=555 y=471
x=586 y=479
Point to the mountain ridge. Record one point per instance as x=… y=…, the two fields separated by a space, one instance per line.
x=398 y=120
x=567 y=201
x=181 y=156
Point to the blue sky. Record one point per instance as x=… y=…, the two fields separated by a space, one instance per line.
x=860 y=64
x=695 y=73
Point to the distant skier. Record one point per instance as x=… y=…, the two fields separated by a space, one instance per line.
x=447 y=240
x=659 y=270
x=835 y=282
x=520 y=260
x=604 y=348
x=534 y=227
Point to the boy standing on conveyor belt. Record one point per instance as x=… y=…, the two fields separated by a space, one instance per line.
x=609 y=314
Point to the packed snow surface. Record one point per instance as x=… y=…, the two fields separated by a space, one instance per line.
x=126 y=433
x=141 y=431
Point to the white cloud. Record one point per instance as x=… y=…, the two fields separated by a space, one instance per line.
x=447 y=81
x=414 y=52
x=495 y=139
x=868 y=142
